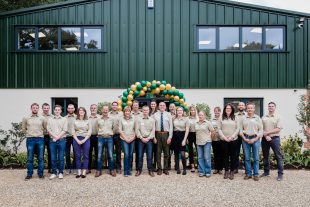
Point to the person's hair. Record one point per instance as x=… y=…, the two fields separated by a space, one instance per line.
x=217 y=108
x=196 y=112
x=93 y=105
x=71 y=105
x=272 y=103
x=114 y=102
x=179 y=107
x=78 y=113
x=153 y=100
x=34 y=104
x=232 y=114
x=204 y=113
x=57 y=106
x=172 y=104
x=145 y=107
x=135 y=101
x=45 y=104
x=250 y=103
x=104 y=106
x=127 y=108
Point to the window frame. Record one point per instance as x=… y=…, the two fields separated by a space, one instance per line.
x=246 y=100
x=65 y=101
x=59 y=50
x=218 y=50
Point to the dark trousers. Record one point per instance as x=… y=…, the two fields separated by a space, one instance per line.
x=218 y=155
x=137 y=153
x=191 y=142
x=81 y=153
x=118 y=151
x=275 y=145
x=148 y=147
x=69 y=165
x=238 y=148
x=154 y=156
x=162 y=146
x=229 y=152
x=93 y=148
x=47 y=147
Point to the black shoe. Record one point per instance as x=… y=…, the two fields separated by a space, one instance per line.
x=159 y=172
x=138 y=173
x=77 y=176
x=178 y=171
x=28 y=177
x=83 y=176
x=184 y=172
x=236 y=171
x=280 y=178
x=166 y=172
x=50 y=171
x=41 y=176
x=264 y=175
x=151 y=173
x=226 y=174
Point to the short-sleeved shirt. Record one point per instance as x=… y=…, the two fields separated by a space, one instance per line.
x=105 y=126
x=56 y=125
x=127 y=126
x=229 y=128
x=117 y=115
x=271 y=122
x=203 y=132
x=136 y=114
x=82 y=128
x=192 y=123
x=145 y=127
x=240 y=116
x=33 y=125
x=215 y=123
x=93 y=120
x=252 y=126
x=70 y=119
x=167 y=122
x=47 y=117
x=180 y=124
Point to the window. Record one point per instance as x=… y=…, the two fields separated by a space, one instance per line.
x=64 y=102
x=64 y=39
x=274 y=38
x=26 y=38
x=259 y=104
x=207 y=38
x=229 y=38
x=48 y=38
x=240 y=39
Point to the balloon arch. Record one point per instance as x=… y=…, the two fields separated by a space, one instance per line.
x=152 y=89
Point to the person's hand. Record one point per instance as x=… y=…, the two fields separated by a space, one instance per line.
x=155 y=140
x=169 y=141
x=183 y=143
x=227 y=139
x=268 y=138
x=265 y=134
x=187 y=142
x=79 y=142
x=145 y=140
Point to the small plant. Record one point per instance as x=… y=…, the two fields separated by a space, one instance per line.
x=205 y=108
x=101 y=104
x=291 y=147
x=303 y=116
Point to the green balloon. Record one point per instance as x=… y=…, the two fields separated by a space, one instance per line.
x=170 y=92
x=165 y=92
x=124 y=105
x=158 y=84
x=125 y=93
x=182 y=105
x=136 y=93
x=186 y=109
x=176 y=93
x=177 y=103
x=143 y=83
x=164 y=82
x=128 y=90
x=184 y=99
x=171 y=101
x=181 y=95
x=153 y=86
x=149 y=90
x=124 y=99
x=139 y=87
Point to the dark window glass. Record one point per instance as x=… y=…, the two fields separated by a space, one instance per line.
x=48 y=38
x=70 y=38
x=206 y=38
x=252 y=38
x=64 y=102
x=274 y=39
x=259 y=103
x=26 y=38
x=229 y=38
x=93 y=39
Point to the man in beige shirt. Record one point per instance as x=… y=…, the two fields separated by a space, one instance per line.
x=163 y=136
x=272 y=125
x=33 y=126
x=93 y=118
x=57 y=126
x=71 y=117
x=46 y=114
x=136 y=114
x=145 y=132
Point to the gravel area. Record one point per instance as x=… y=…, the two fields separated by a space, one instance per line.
x=172 y=190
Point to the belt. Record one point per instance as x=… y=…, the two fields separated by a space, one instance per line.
x=162 y=132
x=251 y=136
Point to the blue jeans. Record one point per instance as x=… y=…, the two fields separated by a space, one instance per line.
x=254 y=150
x=275 y=145
x=108 y=143
x=149 y=154
x=35 y=144
x=204 y=158
x=57 y=150
x=128 y=149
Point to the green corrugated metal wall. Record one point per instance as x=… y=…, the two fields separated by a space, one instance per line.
x=157 y=44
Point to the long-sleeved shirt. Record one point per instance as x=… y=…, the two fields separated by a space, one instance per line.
x=33 y=125
x=82 y=128
x=56 y=125
x=215 y=123
x=93 y=120
x=271 y=122
x=252 y=126
x=70 y=119
x=180 y=124
x=192 y=123
x=168 y=125
x=145 y=128
x=229 y=128
x=127 y=126
x=47 y=117
x=203 y=132
x=117 y=116
x=105 y=126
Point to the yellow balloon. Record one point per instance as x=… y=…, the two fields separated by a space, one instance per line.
x=162 y=87
x=120 y=102
x=144 y=89
x=148 y=84
x=129 y=97
x=133 y=87
x=172 y=96
x=142 y=93
x=167 y=96
x=157 y=91
x=129 y=103
x=185 y=104
x=131 y=92
x=176 y=98
x=153 y=91
x=182 y=101
x=137 y=83
x=119 y=108
x=168 y=87
x=173 y=88
x=154 y=81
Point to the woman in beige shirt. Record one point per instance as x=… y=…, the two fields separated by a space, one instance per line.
x=180 y=133
x=191 y=140
x=81 y=144
x=216 y=144
x=127 y=134
x=228 y=131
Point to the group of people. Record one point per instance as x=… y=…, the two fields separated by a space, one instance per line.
x=156 y=131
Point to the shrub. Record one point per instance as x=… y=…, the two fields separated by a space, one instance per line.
x=205 y=108
x=101 y=104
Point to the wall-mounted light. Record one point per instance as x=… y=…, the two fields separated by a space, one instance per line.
x=301 y=22
x=150 y=4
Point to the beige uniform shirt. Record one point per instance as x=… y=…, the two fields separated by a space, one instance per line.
x=229 y=128
x=105 y=126
x=136 y=114
x=240 y=116
x=168 y=125
x=47 y=117
x=70 y=119
x=93 y=121
x=203 y=132
x=33 y=125
x=127 y=126
x=56 y=125
x=252 y=126
x=215 y=123
x=180 y=124
x=271 y=122
x=117 y=116
x=82 y=128
x=192 y=123
x=145 y=128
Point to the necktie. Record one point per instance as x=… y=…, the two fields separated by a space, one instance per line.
x=162 y=122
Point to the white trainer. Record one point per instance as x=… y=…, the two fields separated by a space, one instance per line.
x=60 y=176
x=53 y=176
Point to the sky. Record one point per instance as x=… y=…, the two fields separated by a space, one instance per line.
x=294 y=5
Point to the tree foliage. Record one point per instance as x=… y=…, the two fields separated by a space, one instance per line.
x=7 y=5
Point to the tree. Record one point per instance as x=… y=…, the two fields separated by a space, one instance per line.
x=303 y=116
x=7 y=5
